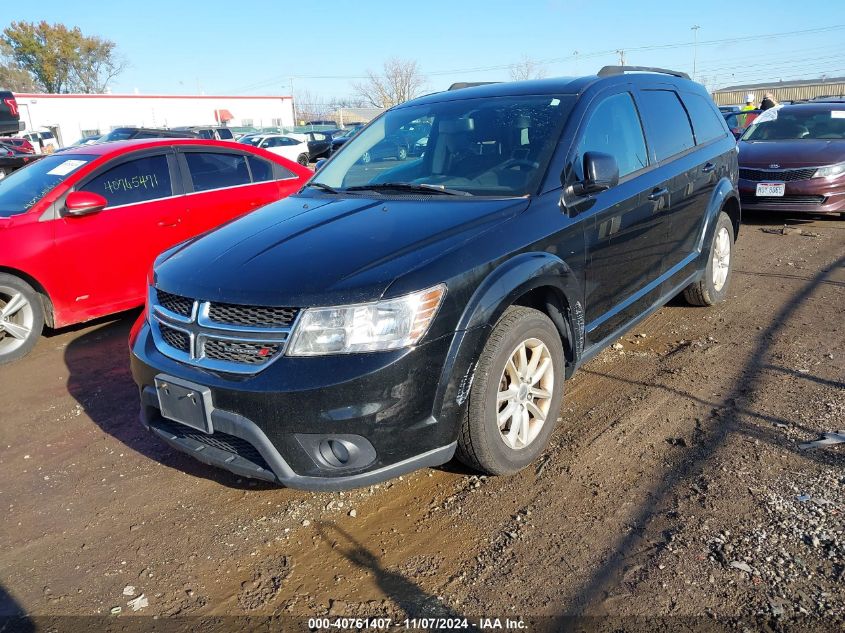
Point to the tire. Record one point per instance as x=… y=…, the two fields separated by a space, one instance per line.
x=402 y=153
x=302 y=159
x=712 y=288
x=21 y=318
x=3 y=173
x=366 y=158
x=482 y=443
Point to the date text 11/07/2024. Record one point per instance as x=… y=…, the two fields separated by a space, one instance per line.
x=513 y=624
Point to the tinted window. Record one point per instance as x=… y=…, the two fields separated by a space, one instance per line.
x=261 y=169
x=706 y=120
x=209 y=134
x=134 y=181
x=225 y=134
x=215 y=170
x=669 y=130
x=272 y=142
x=21 y=190
x=614 y=128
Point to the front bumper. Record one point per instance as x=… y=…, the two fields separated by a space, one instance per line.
x=274 y=425
x=815 y=195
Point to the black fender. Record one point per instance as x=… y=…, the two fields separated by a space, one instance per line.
x=723 y=194
x=500 y=289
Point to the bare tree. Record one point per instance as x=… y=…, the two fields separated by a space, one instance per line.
x=527 y=68
x=400 y=80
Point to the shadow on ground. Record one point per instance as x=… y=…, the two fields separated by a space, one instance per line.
x=100 y=381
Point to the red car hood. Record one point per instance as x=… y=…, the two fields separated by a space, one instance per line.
x=799 y=153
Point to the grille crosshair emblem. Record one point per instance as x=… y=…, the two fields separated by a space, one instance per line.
x=774 y=166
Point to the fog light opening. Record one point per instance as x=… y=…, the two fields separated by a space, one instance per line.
x=334 y=452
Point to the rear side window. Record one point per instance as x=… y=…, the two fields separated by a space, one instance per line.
x=225 y=134
x=134 y=181
x=208 y=134
x=707 y=123
x=261 y=169
x=215 y=170
x=668 y=126
x=614 y=128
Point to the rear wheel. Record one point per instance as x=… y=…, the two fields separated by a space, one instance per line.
x=366 y=158
x=402 y=153
x=712 y=288
x=21 y=318
x=515 y=396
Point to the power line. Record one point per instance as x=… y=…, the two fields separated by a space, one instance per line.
x=553 y=60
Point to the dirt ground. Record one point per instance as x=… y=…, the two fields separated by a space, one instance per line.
x=675 y=487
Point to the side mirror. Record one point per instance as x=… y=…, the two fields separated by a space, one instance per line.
x=79 y=203
x=600 y=174
x=320 y=162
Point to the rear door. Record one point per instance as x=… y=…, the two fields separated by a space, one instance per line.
x=223 y=185
x=109 y=253
x=623 y=225
x=687 y=172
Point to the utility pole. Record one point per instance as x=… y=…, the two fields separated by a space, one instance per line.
x=575 y=54
x=621 y=54
x=694 y=30
x=292 y=101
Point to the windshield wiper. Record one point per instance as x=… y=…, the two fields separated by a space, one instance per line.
x=409 y=186
x=324 y=187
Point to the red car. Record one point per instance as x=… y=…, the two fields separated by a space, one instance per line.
x=22 y=145
x=79 y=230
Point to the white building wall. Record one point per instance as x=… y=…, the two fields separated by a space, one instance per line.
x=75 y=114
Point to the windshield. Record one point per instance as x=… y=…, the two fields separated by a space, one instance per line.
x=120 y=134
x=251 y=140
x=496 y=146
x=22 y=189
x=798 y=124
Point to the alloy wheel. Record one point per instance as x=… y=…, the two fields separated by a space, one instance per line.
x=525 y=393
x=721 y=258
x=17 y=319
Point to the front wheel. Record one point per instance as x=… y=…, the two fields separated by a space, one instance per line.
x=515 y=396
x=712 y=288
x=302 y=159
x=402 y=153
x=21 y=318
x=366 y=158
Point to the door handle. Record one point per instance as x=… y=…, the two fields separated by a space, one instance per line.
x=708 y=168
x=169 y=222
x=658 y=193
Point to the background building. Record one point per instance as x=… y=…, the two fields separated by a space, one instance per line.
x=782 y=90
x=72 y=116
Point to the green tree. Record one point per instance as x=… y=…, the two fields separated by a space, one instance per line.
x=59 y=59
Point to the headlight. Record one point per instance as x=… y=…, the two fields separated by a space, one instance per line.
x=830 y=170
x=366 y=327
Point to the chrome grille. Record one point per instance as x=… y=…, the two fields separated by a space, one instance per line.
x=779 y=175
x=175 y=338
x=239 y=352
x=252 y=316
x=237 y=339
x=175 y=303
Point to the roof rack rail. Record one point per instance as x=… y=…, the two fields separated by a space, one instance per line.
x=471 y=84
x=608 y=71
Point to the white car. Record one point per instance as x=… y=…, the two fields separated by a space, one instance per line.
x=43 y=140
x=291 y=148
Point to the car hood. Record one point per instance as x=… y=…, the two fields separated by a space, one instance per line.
x=305 y=251
x=800 y=153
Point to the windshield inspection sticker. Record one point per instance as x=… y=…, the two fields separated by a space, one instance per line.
x=66 y=167
x=837 y=114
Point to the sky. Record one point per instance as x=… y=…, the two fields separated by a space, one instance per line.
x=263 y=47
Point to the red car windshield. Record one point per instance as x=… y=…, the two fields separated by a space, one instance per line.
x=799 y=124
x=21 y=190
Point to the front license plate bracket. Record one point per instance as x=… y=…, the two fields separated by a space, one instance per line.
x=185 y=402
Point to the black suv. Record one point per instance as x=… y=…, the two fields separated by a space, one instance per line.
x=385 y=317
x=10 y=117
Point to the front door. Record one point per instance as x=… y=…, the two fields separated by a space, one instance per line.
x=624 y=225
x=108 y=254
